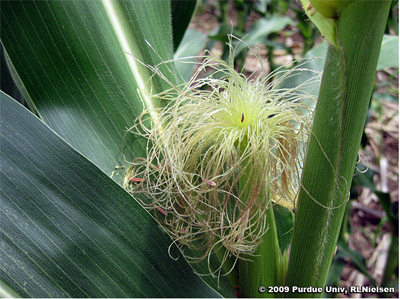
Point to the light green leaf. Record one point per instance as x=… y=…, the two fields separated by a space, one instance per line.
x=389 y=55
x=262 y=28
x=314 y=61
x=193 y=42
x=79 y=62
x=326 y=25
x=69 y=230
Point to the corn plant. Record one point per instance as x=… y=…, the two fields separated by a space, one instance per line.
x=95 y=71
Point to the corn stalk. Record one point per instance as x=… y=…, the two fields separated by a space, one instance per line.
x=333 y=149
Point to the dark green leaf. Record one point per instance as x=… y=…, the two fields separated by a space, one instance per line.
x=365 y=178
x=69 y=230
x=221 y=33
x=7 y=84
x=78 y=62
x=356 y=259
x=182 y=12
x=335 y=272
x=284 y=226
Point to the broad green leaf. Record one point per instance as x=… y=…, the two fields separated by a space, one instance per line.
x=262 y=6
x=335 y=272
x=284 y=226
x=182 y=12
x=389 y=55
x=68 y=230
x=80 y=63
x=192 y=43
x=260 y=30
x=314 y=61
x=356 y=259
x=7 y=83
x=17 y=91
x=365 y=178
x=221 y=33
x=316 y=57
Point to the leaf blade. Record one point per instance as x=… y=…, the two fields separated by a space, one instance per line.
x=69 y=230
x=82 y=78
x=182 y=12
